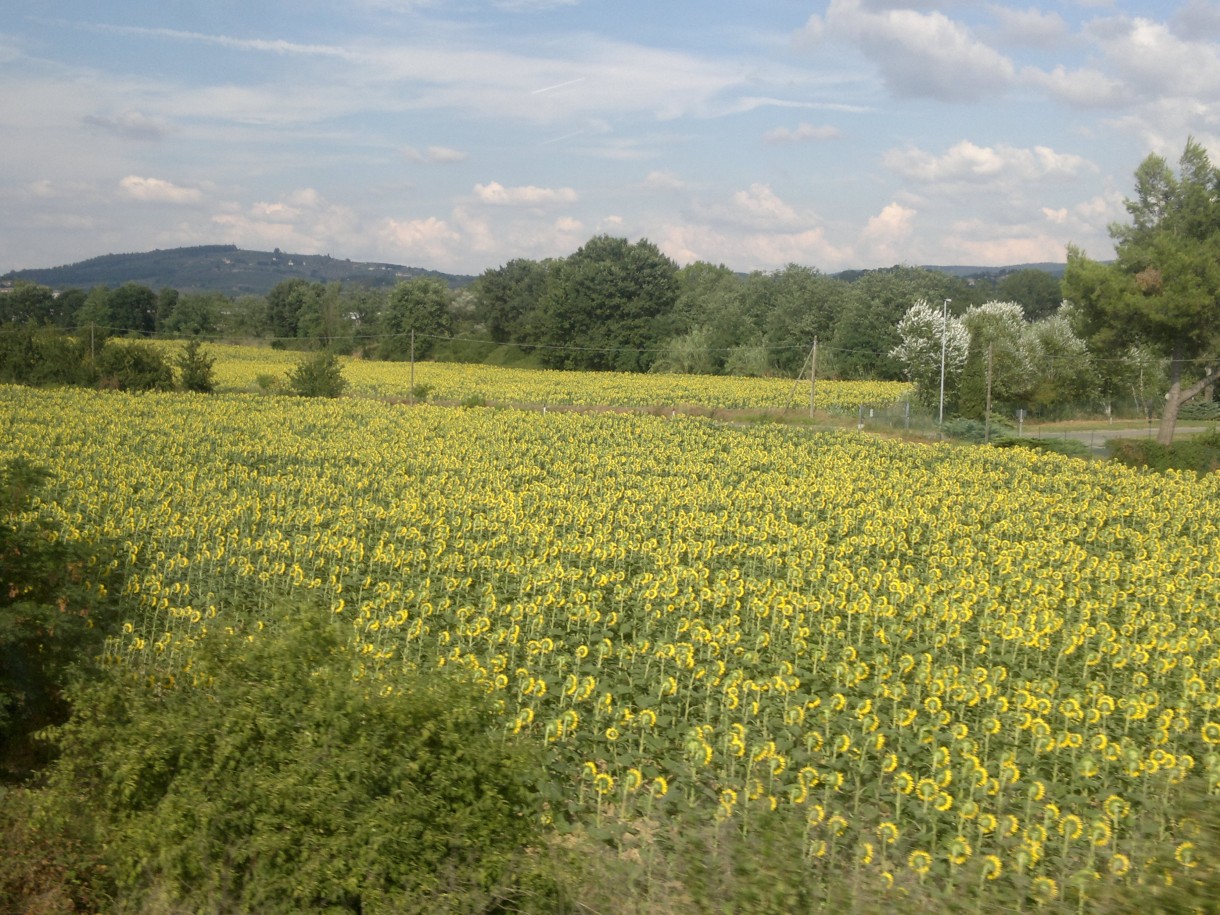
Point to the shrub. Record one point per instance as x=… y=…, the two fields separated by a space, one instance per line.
x=54 y=613
x=196 y=369
x=134 y=367
x=1068 y=446
x=474 y=400
x=319 y=375
x=273 y=778
x=1200 y=453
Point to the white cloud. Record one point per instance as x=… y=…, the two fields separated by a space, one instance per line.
x=1081 y=88
x=155 y=190
x=918 y=54
x=687 y=242
x=802 y=133
x=968 y=162
x=664 y=181
x=429 y=239
x=884 y=239
x=435 y=155
x=759 y=205
x=528 y=195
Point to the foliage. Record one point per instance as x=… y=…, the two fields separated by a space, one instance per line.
x=689 y=354
x=867 y=329
x=54 y=612
x=274 y=777
x=196 y=369
x=504 y=295
x=999 y=336
x=606 y=306
x=1037 y=292
x=416 y=310
x=319 y=375
x=43 y=356
x=44 y=870
x=1199 y=453
x=1163 y=289
x=924 y=332
x=1067 y=446
x=133 y=309
x=134 y=366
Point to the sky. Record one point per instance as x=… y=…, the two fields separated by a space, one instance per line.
x=457 y=135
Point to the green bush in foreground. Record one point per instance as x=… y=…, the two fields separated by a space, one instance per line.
x=270 y=778
x=54 y=611
x=319 y=375
x=1200 y=453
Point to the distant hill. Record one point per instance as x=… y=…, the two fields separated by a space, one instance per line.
x=971 y=273
x=222 y=268
x=1055 y=270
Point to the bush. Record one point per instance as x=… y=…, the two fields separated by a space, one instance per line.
x=1200 y=453
x=134 y=367
x=1068 y=446
x=196 y=369
x=54 y=613
x=319 y=375
x=273 y=778
x=974 y=430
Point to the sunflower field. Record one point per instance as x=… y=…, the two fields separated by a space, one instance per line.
x=239 y=368
x=971 y=670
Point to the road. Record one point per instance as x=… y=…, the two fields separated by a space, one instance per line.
x=1096 y=437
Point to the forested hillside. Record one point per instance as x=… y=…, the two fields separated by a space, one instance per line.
x=222 y=268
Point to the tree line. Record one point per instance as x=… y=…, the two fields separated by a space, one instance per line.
x=1144 y=324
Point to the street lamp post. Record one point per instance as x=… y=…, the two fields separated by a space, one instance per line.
x=944 y=329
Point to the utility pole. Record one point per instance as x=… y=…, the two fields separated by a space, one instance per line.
x=944 y=331
x=987 y=414
x=813 y=374
x=412 y=365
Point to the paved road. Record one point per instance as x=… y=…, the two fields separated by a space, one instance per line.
x=1096 y=438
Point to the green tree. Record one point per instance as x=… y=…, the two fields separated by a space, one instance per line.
x=55 y=611
x=505 y=295
x=133 y=309
x=1164 y=287
x=195 y=369
x=1037 y=292
x=419 y=305
x=284 y=304
x=194 y=313
x=608 y=306
x=866 y=332
x=93 y=319
x=805 y=305
x=274 y=778
x=27 y=303
x=998 y=335
x=319 y=375
x=167 y=302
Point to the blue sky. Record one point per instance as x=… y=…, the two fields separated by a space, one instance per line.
x=460 y=135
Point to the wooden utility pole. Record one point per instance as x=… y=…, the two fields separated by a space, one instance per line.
x=813 y=375
x=412 y=365
x=987 y=415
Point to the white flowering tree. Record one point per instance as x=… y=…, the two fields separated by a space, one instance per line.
x=921 y=332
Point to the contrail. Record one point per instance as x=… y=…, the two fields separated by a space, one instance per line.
x=571 y=82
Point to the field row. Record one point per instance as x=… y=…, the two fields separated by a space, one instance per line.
x=945 y=658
